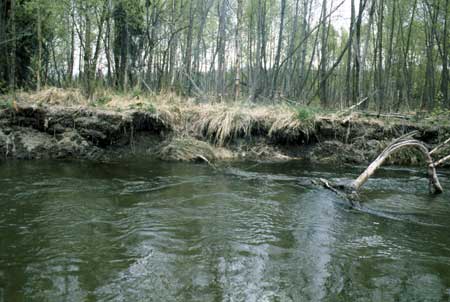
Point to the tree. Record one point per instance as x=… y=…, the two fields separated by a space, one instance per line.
x=394 y=52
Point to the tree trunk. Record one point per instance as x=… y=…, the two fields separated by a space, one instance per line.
x=39 y=38
x=365 y=54
x=188 y=53
x=357 y=60
x=323 y=84
x=221 y=44
x=379 y=78
x=71 y=57
x=260 y=46
x=237 y=79
x=445 y=72
x=388 y=63
x=12 y=63
x=87 y=55
x=348 y=91
x=126 y=59
x=278 y=52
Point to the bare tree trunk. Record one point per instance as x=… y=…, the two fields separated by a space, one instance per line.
x=379 y=48
x=71 y=58
x=260 y=46
x=278 y=52
x=237 y=80
x=188 y=53
x=445 y=72
x=107 y=43
x=348 y=97
x=428 y=89
x=365 y=53
x=55 y=65
x=388 y=63
x=12 y=63
x=323 y=84
x=87 y=54
x=126 y=59
x=104 y=15
x=357 y=60
x=39 y=38
x=221 y=44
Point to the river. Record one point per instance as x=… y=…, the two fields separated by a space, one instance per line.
x=144 y=230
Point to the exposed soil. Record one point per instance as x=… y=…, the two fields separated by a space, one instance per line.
x=30 y=131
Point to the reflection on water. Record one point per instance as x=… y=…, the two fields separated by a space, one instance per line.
x=152 y=231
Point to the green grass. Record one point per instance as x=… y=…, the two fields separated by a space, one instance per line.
x=103 y=100
x=150 y=108
x=5 y=104
x=305 y=113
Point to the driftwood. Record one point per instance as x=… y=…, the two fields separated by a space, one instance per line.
x=386 y=115
x=435 y=186
x=405 y=141
x=441 y=161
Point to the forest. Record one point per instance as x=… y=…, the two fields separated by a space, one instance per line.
x=389 y=56
x=224 y=150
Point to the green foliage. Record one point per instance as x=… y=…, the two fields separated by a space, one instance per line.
x=305 y=113
x=439 y=109
x=136 y=93
x=147 y=107
x=5 y=104
x=101 y=101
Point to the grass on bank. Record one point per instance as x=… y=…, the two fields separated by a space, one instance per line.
x=219 y=123
x=190 y=149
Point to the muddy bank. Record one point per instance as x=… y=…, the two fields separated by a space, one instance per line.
x=37 y=132
x=29 y=131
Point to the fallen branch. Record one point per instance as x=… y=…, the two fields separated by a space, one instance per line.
x=390 y=115
x=435 y=186
x=440 y=146
x=349 y=109
x=441 y=161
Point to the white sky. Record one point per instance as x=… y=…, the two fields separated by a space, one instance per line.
x=341 y=18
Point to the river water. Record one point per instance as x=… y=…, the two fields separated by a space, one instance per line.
x=144 y=230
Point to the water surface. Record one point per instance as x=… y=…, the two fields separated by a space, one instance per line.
x=143 y=230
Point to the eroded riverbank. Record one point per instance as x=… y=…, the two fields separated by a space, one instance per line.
x=34 y=129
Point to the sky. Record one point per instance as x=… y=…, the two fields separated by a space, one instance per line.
x=341 y=18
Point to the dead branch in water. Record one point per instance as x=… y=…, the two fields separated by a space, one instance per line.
x=440 y=146
x=441 y=161
x=435 y=186
x=405 y=141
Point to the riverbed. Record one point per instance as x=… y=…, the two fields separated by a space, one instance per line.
x=146 y=230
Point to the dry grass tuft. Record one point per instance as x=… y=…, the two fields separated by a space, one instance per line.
x=189 y=149
x=288 y=127
x=223 y=124
x=56 y=96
